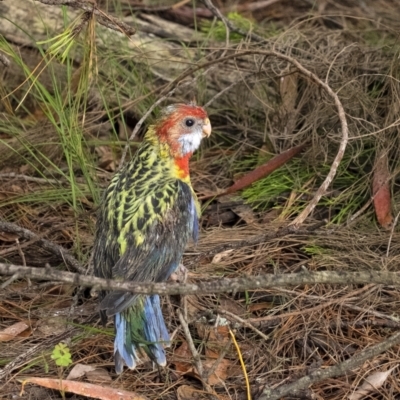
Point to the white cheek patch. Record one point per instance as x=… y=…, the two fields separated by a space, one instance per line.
x=190 y=142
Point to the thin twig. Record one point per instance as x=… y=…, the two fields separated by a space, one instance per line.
x=10 y=281
x=221 y=92
x=221 y=356
x=352 y=218
x=331 y=372
x=243 y=322
x=20 y=252
x=196 y=356
x=13 y=175
x=230 y=25
x=46 y=244
x=370 y=311
x=219 y=15
x=104 y=19
x=35 y=239
x=391 y=234
x=193 y=350
x=351 y=296
x=22 y=255
x=257 y=5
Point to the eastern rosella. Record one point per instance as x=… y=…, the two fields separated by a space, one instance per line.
x=148 y=214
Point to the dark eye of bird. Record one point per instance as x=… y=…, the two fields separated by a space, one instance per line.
x=189 y=122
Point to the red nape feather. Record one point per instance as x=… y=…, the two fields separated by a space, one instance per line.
x=182 y=165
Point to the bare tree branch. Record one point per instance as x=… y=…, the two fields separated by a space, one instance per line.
x=216 y=286
x=330 y=372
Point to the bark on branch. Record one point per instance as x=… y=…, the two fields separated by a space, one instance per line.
x=215 y=286
x=326 y=373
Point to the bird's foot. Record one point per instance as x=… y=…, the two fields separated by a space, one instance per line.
x=180 y=274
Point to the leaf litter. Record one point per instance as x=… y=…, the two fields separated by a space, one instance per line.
x=310 y=327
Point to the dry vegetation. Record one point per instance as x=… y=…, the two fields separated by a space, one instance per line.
x=60 y=147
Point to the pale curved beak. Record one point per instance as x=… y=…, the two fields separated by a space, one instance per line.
x=206 y=128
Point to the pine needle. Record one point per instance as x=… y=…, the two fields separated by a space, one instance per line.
x=242 y=364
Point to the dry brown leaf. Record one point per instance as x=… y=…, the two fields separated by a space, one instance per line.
x=192 y=307
x=370 y=384
x=228 y=304
x=98 y=375
x=181 y=355
x=221 y=372
x=186 y=392
x=79 y=370
x=13 y=331
x=224 y=368
x=106 y=158
x=246 y=213
x=217 y=340
x=84 y=389
x=215 y=336
x=52 y=325
x=381 y=191
x=23 y=169
x=16 y=189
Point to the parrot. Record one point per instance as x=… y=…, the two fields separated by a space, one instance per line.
x=146 y=217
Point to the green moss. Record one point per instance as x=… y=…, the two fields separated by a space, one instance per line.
x=217 y=29
x=314 y=250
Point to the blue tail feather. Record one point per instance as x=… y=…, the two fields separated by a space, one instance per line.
x=140 y=327
x=155 y=330
x=162 y=329
x=124 y=350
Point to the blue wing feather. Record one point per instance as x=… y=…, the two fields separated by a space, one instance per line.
x=195 y=218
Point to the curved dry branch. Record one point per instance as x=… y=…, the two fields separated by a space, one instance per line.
x=304 y=71
x=343 y=143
